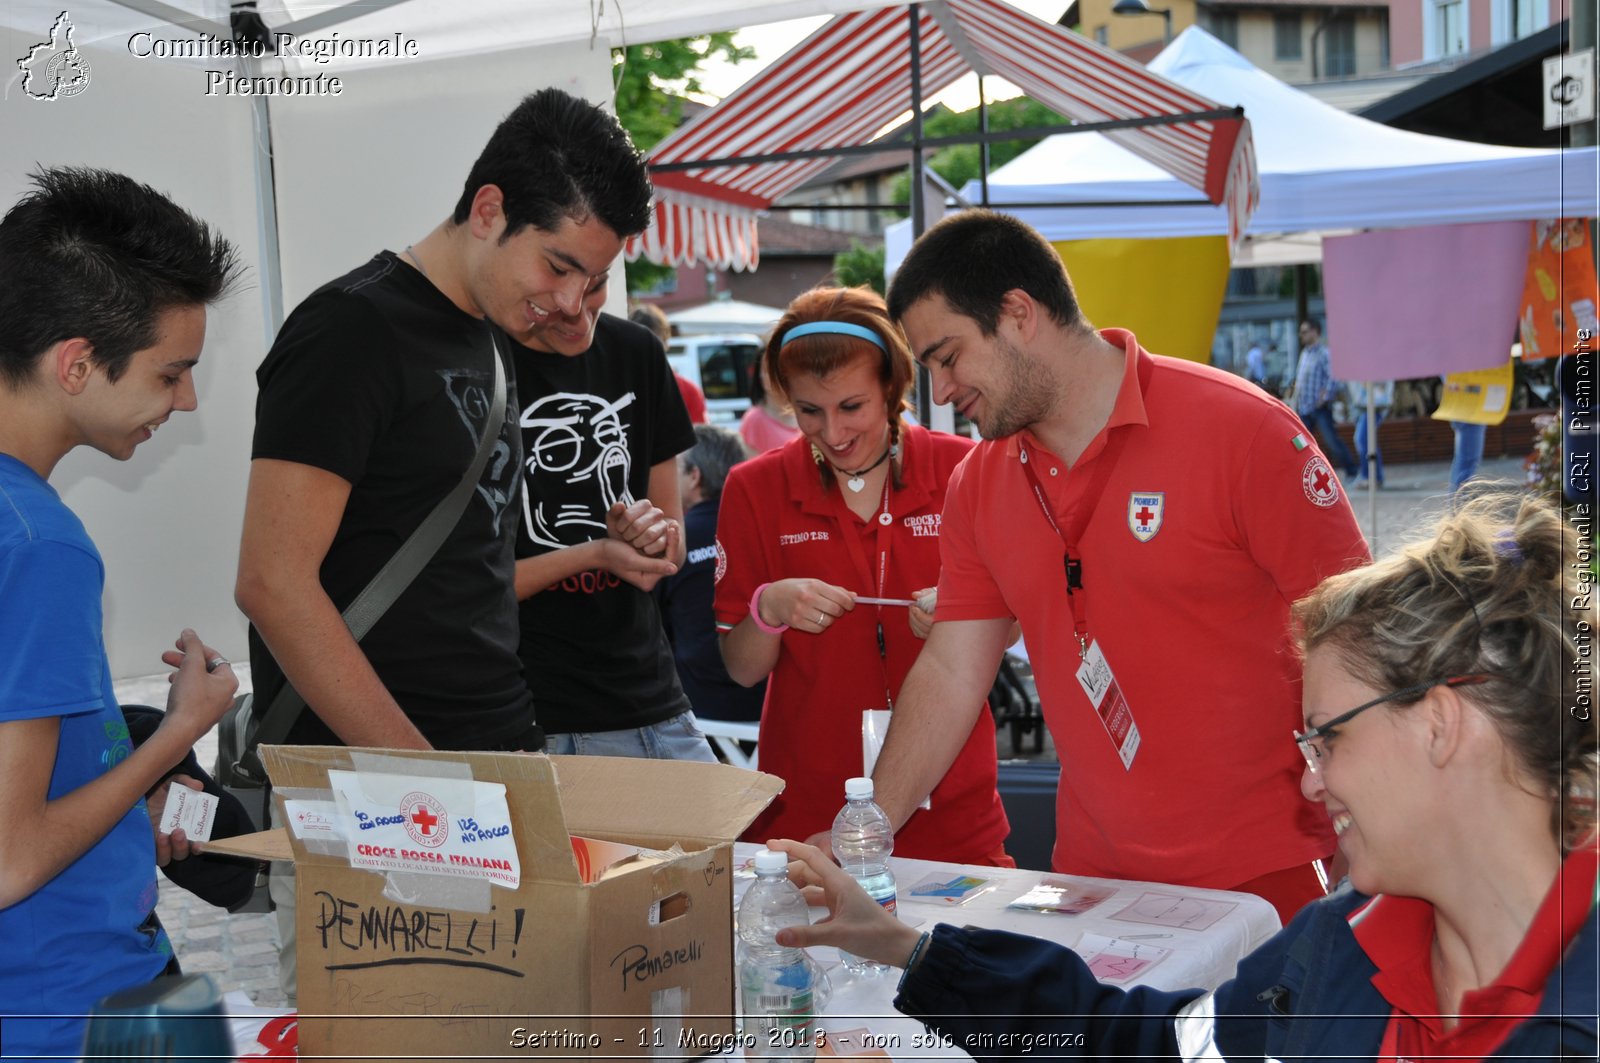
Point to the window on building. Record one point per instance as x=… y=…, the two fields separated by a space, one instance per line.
x=1450 y=16
x=1225 y=27
x=1286 y=36
x=1524 y=18
x=1100 y=35
x=1340 y=48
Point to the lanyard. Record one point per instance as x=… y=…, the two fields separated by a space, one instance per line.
x=1072 y=558
x=884 y=540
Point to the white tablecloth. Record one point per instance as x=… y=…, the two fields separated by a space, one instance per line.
x=1204 y=957
x=860 y=1012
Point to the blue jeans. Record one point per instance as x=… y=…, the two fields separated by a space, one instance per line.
x=1361 y=443
x=1469 y=451
x=677 y=738
x=1320 y=420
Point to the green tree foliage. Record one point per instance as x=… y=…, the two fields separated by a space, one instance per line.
x=860 y=265
x=963 y=162
x=651 y=82
x=653 y=79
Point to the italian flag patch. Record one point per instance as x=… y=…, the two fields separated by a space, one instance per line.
x=1300 y=441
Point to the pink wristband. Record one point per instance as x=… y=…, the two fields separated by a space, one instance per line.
x=755 y=613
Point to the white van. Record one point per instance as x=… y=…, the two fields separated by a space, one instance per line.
x=721 y=366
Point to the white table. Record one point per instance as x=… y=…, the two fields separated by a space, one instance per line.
x=1203 y=958
x=858 y=1003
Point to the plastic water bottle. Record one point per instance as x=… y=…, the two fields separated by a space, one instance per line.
x=862 y=843
x=777 y=983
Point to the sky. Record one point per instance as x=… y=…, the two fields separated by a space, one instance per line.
x=772 y=40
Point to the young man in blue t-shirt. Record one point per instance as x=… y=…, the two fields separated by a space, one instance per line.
x=104 y=285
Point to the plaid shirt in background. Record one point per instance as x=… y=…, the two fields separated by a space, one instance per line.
x=1313 y=380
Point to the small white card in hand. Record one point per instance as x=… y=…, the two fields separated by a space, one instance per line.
x=190 y=811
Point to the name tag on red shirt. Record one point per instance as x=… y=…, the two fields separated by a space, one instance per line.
x=1105 y=694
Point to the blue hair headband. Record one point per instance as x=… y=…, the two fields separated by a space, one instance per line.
x=841 y=328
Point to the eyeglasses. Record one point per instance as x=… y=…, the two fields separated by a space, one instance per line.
x=1310 y=742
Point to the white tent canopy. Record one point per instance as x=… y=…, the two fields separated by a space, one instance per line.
x=1321 y=169
x=724 y=315
x=442 y=28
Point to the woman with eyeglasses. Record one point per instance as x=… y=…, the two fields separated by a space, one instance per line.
x=828 y=549
x=1449 y=732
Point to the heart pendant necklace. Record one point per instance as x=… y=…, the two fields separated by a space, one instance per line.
x=857 y=481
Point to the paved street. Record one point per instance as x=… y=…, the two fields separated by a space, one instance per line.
x=240 y=951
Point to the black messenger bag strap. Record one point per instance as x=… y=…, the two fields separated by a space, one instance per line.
x=273 y=725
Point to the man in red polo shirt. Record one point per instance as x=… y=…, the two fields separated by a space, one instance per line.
x=1148 y=520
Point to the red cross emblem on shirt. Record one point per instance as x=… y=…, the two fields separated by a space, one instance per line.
x=1318 y=481
x=1145 y=511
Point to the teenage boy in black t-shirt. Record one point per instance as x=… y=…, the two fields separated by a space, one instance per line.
x=372 y=401
x=601 y=427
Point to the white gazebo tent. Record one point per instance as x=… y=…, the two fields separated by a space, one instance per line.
x=1320 y=170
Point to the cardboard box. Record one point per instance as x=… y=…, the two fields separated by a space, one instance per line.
x=457 y=961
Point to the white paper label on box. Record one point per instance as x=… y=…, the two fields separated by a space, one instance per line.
x=313 y=819
x=192 y=811
x=455 y=827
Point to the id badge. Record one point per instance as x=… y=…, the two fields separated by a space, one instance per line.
x=1105 y=694
x=874 y=728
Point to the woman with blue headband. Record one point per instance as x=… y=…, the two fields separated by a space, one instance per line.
x=826 y=545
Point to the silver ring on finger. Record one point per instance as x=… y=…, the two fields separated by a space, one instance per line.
x=216 y=662
x=821 y=618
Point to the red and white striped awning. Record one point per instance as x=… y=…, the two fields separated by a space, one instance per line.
x=852 y=78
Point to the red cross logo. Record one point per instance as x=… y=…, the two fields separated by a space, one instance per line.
x=1318 y=482
x=1145 y=512
x=427 y=822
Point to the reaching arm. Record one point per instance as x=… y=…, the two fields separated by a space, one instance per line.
x=291 y=514
x=41 y=837
x=939 y=702
x=806 y=605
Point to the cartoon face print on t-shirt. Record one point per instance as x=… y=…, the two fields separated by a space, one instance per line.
x=577 y=464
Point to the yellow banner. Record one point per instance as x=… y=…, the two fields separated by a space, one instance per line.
x=1168 y=292
x=1482 y=396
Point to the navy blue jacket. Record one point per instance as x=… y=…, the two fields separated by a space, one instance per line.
x=1306 y=993
x=685 y=599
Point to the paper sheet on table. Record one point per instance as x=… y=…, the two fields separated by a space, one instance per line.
x=1118 y=960
x=1170 y=909
x=1061 y=896
x=945 y=888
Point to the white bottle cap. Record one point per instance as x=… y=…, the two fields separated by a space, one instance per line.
x=859 y=787
x=769 y=860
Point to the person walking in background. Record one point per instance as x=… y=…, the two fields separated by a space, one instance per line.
x=1314 y=391
x=651 y=317
x=849 y=508
x=686 y=596
x=1468 y=453
x=768 y=423
x=1255 y=365
x=1382 y=398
